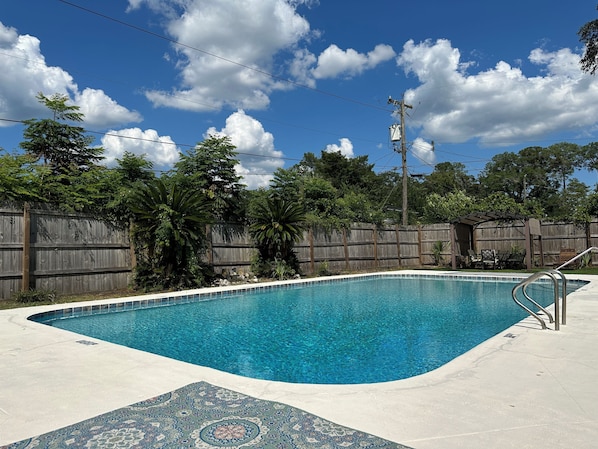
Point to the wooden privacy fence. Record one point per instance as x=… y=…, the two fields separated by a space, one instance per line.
x=362 y=247
x=69 y=253
x=72 y=253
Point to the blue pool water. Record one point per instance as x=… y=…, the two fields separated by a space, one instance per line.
x=352 y=331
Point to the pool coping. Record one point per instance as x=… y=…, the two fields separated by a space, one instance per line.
x=212 y=293
x=489 y=396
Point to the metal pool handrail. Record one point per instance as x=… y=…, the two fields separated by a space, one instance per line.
x=579 y=256
x=529 y=280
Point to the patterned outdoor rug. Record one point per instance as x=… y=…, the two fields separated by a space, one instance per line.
x=204 y=416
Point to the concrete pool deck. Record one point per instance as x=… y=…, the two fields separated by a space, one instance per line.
x=523 y=388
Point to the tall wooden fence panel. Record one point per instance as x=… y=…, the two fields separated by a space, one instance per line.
x=429 y=235
x=387 y=244
x=235 y=252
x=409 y=246
x=501 y=236
x=66 y=253
x=546 y=247
x=11 y=251
x=557 y=236
x=319 y=251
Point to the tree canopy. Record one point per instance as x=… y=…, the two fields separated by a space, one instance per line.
x=588 y=35
x=60 y=145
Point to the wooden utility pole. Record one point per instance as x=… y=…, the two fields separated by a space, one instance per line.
x=401 y=106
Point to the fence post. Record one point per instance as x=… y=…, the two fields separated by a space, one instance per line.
x=210 y=246
x=375 y=238
x=529 y=246
x=346 y=250
x=26 y=247
x=419 y=244
x=398 y=235
x=312 y=262
x=132 y=245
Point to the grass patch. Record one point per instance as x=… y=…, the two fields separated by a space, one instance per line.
x=14 y=302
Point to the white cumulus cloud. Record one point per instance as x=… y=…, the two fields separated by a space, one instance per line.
x=424 y=151
x=345 y=148
x=25 y=72
x=499 y=105
x=334 y=61
x=101 y=111
x=234 y=38
x=229 y=48
x=257 y=155
x=160 y=150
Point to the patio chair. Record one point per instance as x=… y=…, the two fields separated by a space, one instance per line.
x=489 y=258
x=565 y=255
x=502 y=258
x=516 y=260
x=474 y=259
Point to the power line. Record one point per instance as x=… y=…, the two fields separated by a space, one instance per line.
x=215 y=108
x=161 y=142
x=222 y=58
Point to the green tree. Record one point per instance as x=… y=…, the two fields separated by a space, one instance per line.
x=356 y=208
x=87 y=191
x=169 y=232
x=335 y=190
x=276 y=225
x=61 y=146
x=416 y=194
x=129 y=176
x=346 y=174
x=563 y=159
x=586 y=209
x=133 y=168
x=541 y=181
x=500 y=202
x=389 y=198
x=446 y=208
x=288 y=184
x=320 y=204
x=505 y=173
x=589 y=154
x=532 y=175
x=209 y=168
x=570 y=199
x=21 y=179
x=588 y=35
x=70 y=179
x=449 y=177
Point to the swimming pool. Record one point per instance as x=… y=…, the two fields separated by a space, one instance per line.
x=360 y=330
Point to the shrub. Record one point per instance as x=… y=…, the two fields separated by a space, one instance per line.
x=437 y=250
x=33 y=295
x=282 y=270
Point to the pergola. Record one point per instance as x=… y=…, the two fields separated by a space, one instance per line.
x=462 y=229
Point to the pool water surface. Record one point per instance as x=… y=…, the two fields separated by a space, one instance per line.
x=363 y=330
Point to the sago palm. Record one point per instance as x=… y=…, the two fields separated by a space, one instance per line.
x=276 y=226
x=170 y=223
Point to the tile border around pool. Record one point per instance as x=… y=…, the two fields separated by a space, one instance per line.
x=209 y=293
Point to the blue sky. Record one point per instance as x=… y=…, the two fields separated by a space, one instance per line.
x=286 y=77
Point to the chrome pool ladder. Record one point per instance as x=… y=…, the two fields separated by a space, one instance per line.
x=558 y=316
